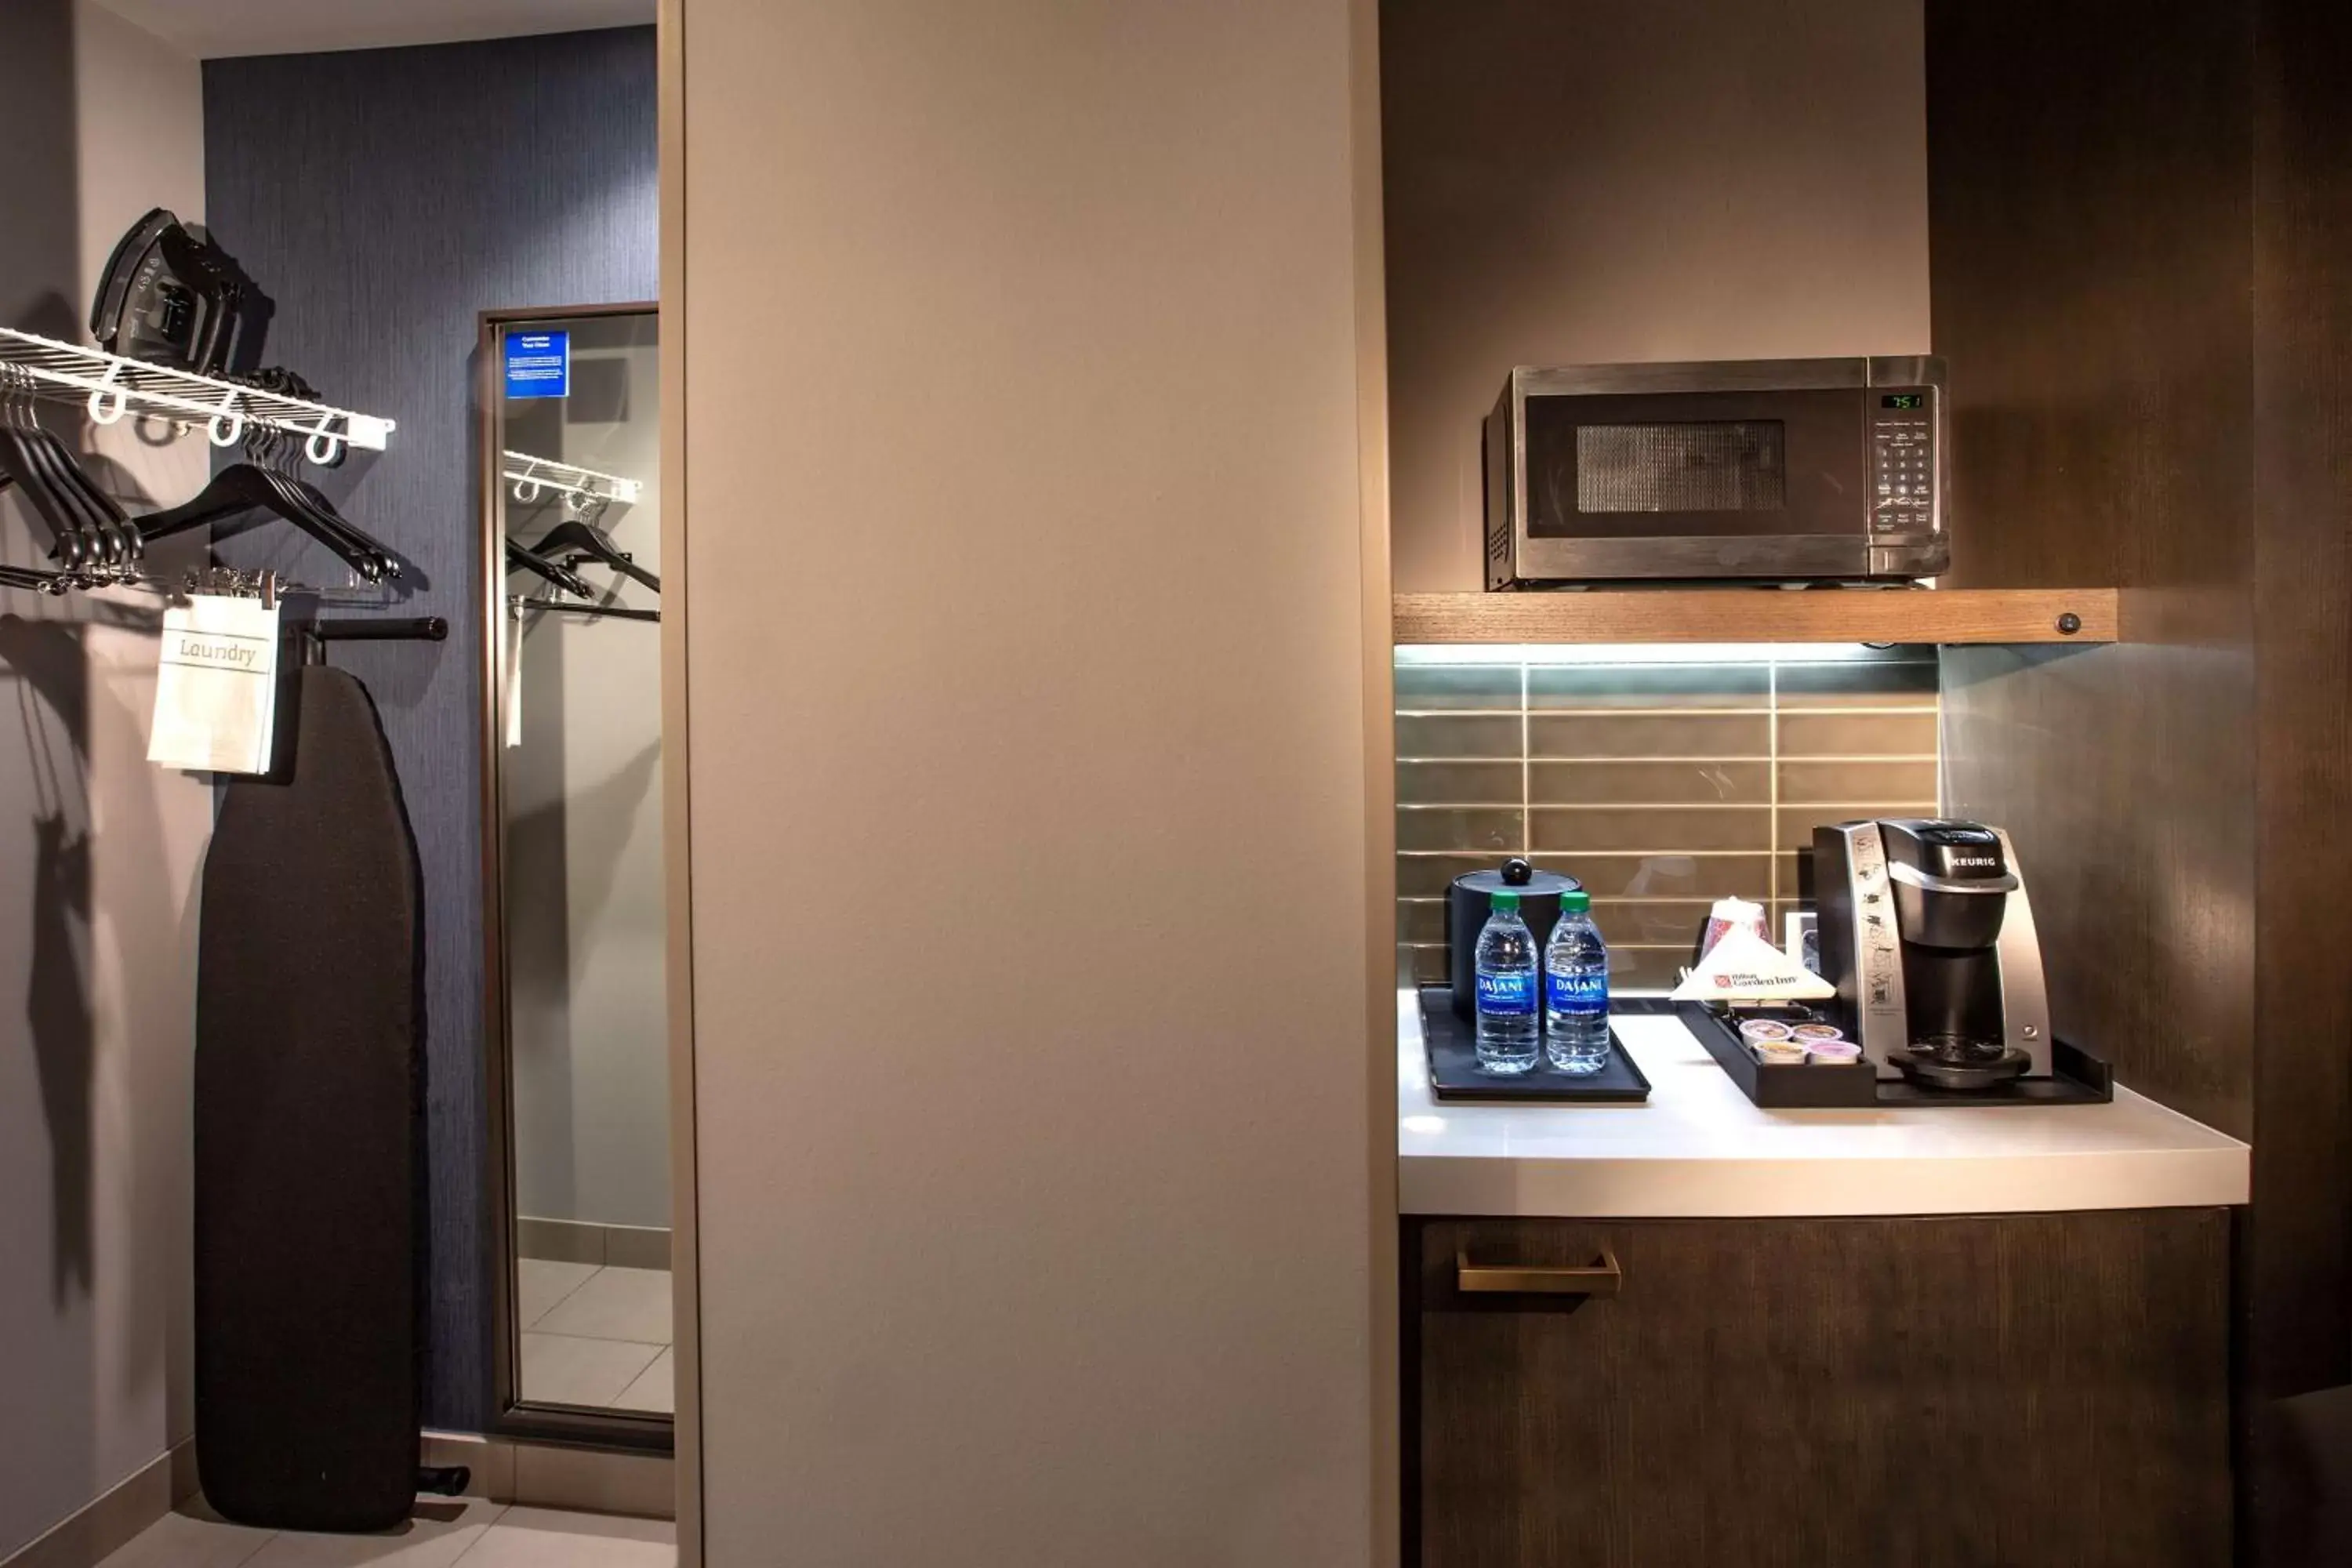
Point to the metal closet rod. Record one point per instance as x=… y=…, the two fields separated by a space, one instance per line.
x=397 y=628
x=591 y=610
x=42 y=580
x=312 y=638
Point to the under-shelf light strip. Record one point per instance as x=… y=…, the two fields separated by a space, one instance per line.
x=1795 y=711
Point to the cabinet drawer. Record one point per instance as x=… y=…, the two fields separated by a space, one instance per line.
x=1983 y=1393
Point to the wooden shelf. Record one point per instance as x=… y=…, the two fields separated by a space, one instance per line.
x=1759 y=614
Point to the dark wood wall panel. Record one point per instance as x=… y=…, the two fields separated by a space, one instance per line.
x=2141 y=219
x=2301 y=1281
x=2091 y=286
x=384 y=197
x=2090 y=256
x=2125 y=776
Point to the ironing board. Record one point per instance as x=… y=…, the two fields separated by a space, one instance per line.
x=308 y=1134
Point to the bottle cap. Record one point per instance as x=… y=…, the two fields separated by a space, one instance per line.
x=1506 y=903
x=1576 y=903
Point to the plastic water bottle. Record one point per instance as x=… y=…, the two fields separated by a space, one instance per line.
x=1510 y=1012
x=1576 y=989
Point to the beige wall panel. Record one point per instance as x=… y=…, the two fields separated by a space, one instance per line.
x=100 y=850
x=1028 y=787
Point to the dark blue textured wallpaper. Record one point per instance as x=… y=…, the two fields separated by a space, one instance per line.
x=383 y=197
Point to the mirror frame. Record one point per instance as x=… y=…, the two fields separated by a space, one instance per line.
x=512 y=1416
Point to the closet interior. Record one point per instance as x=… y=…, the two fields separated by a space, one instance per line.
x=331 y=560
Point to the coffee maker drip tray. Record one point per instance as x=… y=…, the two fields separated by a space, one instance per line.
x=1981 y=1073
x=1955 y=1061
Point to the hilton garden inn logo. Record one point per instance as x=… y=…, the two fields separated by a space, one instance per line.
x=1743 y=966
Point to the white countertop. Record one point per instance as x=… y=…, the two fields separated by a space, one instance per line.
x=1701 y=1147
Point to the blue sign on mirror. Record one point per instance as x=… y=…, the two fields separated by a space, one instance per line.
x=538 y=365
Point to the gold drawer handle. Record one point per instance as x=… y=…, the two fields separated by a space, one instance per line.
x=1600 y=1278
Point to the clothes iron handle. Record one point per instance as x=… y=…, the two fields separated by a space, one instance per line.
x=1602 y=1277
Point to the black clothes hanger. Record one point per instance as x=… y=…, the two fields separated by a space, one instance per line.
x=521 y=560
x=108 y=542
x=249 y=487
x=276 y=451
x=273 y=452
x=245 y=488
x=89 y=532
x=104 y=542
x=589 y=540
x=31 y=477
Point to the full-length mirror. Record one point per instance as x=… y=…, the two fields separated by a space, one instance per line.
x=572 y=546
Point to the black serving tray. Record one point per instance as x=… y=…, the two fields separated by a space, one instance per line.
x=1454 y=1077
x=2077 y=1077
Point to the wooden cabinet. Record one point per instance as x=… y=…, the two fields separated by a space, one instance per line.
x=1929 y=1393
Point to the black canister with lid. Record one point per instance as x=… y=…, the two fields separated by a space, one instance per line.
x=1469 y=902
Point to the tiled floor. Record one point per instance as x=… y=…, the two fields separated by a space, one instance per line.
x=598 y=1336
x=466 y=1531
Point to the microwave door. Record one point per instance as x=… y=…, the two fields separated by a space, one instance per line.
x=1696 y=485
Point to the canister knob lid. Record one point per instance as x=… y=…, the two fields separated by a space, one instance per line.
x=1517 y=875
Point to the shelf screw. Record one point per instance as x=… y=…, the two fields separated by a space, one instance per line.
x=2069 y=623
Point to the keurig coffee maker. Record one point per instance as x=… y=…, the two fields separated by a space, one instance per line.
x=1926 y=934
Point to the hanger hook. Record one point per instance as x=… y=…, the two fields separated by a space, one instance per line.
x=110 y=401
x=323 y=446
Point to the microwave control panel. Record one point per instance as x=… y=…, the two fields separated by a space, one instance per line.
x=1903 y=460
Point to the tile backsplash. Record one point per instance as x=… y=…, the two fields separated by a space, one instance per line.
x=1661 y=784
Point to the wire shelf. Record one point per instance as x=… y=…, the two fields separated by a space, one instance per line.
x=530 y=475
x=112 y=386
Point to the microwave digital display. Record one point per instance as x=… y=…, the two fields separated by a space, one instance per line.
x=1904 y=400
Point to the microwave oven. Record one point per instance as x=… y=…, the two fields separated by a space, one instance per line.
x=1776 y=470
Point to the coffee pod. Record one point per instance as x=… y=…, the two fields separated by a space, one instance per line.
x=1779 y=1053
x=1814 y=1034
x=1835 y=1053
x=1759 y=1031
